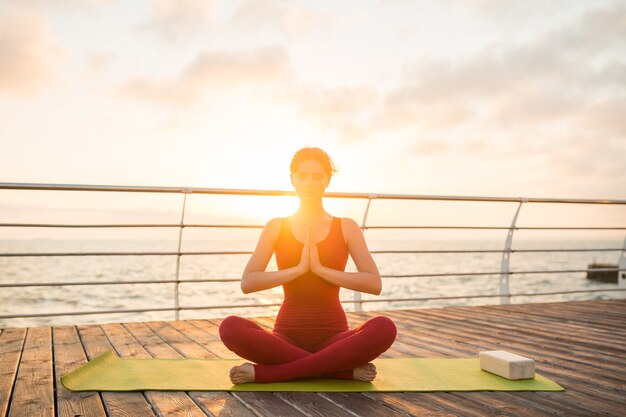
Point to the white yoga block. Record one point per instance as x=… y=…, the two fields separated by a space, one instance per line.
x=507 y=364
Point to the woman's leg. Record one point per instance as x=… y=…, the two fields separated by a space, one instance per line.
x=356 y=348
x=250 y=341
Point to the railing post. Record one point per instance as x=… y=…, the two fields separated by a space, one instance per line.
x=185 y=191
x=505 y=294
x=358 y=301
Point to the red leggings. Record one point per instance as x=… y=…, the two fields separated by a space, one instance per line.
x=278 y=360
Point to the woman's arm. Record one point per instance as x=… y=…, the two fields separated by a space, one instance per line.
x=254 y=277
x=367 y=279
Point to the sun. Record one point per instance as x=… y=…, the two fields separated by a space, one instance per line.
x=257 y=156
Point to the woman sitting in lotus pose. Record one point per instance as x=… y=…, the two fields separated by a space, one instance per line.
x=311 y=335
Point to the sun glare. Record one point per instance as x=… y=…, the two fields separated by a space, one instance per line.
x=257 y=156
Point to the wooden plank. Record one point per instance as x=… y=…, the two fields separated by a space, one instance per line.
x=313 y=404
x=527 y=345
x=267 y=404
x=208 y=335
x=216 y=403
x=430 y=339
x=494 y=400
x=122 y=404
x=11 y=344
x=411 y=403
x=181 y=334
x=454 y=353
x=170 y=403
x=587 y=339
x=360 y=404
x=69 y=355
x=530 y=403
x=272 y=403
x=457 y=344
x=33 y=395
x=546 y=356
x=467 y=339
x=220 y=404
x=561 y=327
x=187 y=348
x=160 y=348
x=542 y=314
x=611 y=311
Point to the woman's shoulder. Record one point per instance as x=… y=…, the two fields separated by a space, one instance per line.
x=348 y=222
x=348 y=227
x=274 y=223
x=272 y=229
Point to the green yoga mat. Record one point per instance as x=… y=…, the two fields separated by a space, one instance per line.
x=108 y=372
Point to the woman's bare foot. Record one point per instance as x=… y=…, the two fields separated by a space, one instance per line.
x=365 y=373
x=242 y=373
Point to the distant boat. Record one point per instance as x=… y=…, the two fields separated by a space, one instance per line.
x=604 y=276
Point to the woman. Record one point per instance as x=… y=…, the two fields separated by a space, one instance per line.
x=311 y=335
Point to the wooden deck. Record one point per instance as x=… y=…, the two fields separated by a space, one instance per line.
x=580 y=345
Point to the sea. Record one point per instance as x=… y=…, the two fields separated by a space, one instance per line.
x=225 y=295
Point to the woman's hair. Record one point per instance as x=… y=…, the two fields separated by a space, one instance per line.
x=316 y=154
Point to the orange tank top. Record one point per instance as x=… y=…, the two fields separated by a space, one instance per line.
x=311 y=311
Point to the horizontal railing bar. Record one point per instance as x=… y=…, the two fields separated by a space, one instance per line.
x=241 y=226
x=496 y=227
x=79 y=313
x=85 y=313
x=389 y=300
x=167 y=281
x=567 y=292
x=124 y=253
x=171 y=281
x=254 y=226
x=25 y=254
x=500 y=272
x=455 y=297
x=225 y=191
x=232 y=306
x=497 y=250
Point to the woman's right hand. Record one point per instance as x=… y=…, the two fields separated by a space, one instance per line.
x=305 y=264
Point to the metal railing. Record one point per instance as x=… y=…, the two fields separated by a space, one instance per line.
x=504 y=272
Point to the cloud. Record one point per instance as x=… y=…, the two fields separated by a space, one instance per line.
x=66 y=3
x=429 y=147
x=100 y=61
x=31 y=57
x=605 y=116
x=214 y=73
x=173 y=20
x=405 y=108
x=344 y=111
x=582 y=156
x=571 y=77
x=290 y=20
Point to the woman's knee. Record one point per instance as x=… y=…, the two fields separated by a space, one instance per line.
x=385 y=329
x=229 y=328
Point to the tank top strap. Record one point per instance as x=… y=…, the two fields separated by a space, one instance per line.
x=333 y=226
x=336 y=231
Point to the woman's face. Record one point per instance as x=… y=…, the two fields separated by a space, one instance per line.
x=310 y=180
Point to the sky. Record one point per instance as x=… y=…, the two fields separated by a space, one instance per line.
x=455 y=97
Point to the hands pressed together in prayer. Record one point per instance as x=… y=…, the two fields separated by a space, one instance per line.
x=310 y=259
